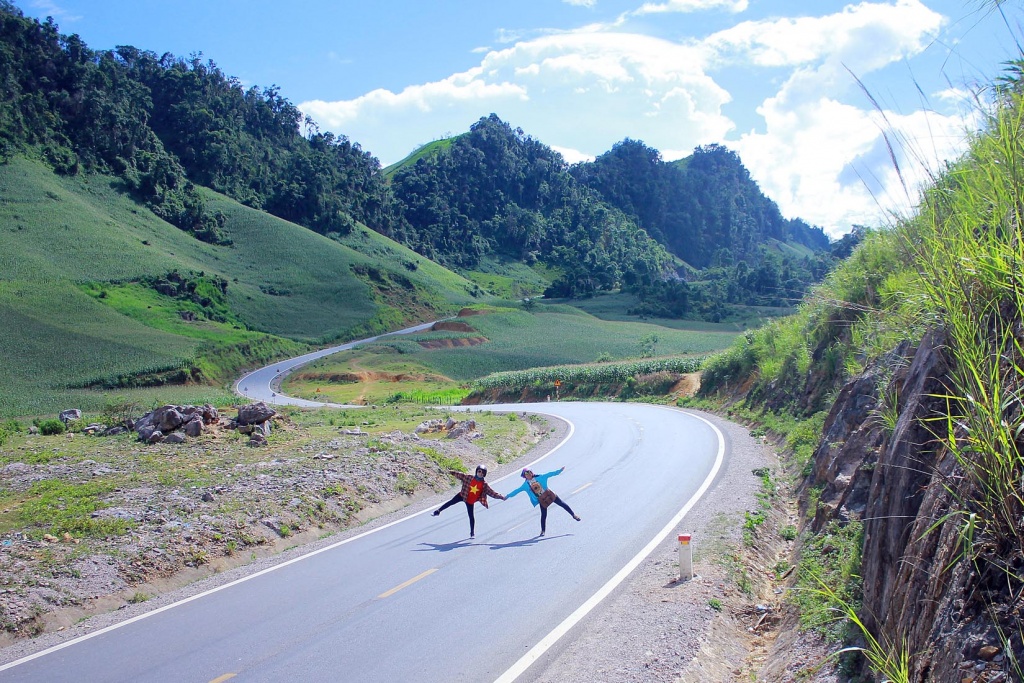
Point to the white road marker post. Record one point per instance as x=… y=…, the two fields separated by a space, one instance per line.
x=685 y=558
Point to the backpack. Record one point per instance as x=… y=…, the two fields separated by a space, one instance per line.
x=544 y=496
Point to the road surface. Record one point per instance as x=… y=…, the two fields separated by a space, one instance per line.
x=417 y=600
x=262 y=384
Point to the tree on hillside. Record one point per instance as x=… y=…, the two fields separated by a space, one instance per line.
x=499 y=191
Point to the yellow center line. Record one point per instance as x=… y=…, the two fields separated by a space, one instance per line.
x=221 y=679
x=582 y=487
x=388 y=594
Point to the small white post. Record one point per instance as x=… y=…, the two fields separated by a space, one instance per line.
x=685 y=558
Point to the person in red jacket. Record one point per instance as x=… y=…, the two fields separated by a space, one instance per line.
x=474 y=489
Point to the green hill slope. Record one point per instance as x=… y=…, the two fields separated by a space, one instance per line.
x=64 y=238
x=421 y=152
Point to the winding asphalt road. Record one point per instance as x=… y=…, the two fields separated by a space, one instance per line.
x=416 y=599
x=262 y=384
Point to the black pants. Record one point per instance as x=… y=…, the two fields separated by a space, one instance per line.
x=544 y=513
x=469 y=510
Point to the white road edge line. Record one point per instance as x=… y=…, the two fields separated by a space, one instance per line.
x=535 y=653
x=87 y=636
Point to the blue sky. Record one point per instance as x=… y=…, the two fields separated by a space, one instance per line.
x=771 y=79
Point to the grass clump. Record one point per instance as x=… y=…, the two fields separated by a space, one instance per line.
x=58 y=507
x=8 y=429
x=50 y=427
x=445 y=462
x=830 y=558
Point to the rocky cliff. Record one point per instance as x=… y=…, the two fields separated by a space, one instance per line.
x=883 y=460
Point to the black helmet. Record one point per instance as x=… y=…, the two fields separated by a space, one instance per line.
x=482 y=468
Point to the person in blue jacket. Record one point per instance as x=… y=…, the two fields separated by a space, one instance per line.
x=536 y=486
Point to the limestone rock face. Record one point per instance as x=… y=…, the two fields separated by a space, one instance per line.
x=895 y=475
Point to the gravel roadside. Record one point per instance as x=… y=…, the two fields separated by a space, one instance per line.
x=655 y=628
x=191 y=582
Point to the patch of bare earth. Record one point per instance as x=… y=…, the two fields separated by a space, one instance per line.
x=452 y=326
x=687 y=385
x=451 y=343
x=360 y=376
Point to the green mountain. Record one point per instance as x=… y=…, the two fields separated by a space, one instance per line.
x=731 y=241
x=692 y=238
x=495 y=191
x=123 y=299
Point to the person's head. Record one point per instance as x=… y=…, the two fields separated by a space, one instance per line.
x=526 y=474
x=481 y=471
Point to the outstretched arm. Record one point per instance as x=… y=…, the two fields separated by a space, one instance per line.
x=516 y=492
x=493 y=494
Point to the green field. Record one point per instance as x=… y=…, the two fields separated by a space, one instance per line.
x=616 y=306
x=516 y=340
x=556 y=335
x=61 y=237
x=78 y=312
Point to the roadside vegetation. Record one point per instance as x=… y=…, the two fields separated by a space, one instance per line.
x=954 y=267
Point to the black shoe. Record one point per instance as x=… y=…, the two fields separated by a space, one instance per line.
x=542 y=533
x=436 y=513
x=576 y=517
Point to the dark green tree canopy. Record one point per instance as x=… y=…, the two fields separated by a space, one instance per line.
x=164 y=123
x=496 y=190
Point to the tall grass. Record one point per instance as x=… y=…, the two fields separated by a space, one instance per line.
x=967 y=244
x=956 y=266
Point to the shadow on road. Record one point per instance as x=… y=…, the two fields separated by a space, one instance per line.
x=444 y=547
x=525 y=542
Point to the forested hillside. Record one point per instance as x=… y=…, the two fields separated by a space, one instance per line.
x=163 y=124
x=498 y=191
x=495 y=190
x=690 y=239
x=708 y=212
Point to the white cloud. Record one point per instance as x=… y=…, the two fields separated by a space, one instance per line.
x=583 y=91
x=734 y=6
x=864 y=37
x=572 y=156
x=581 y=3
x=822 y=136
x=819 y=151
x=52 y=9
x=835 y=165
